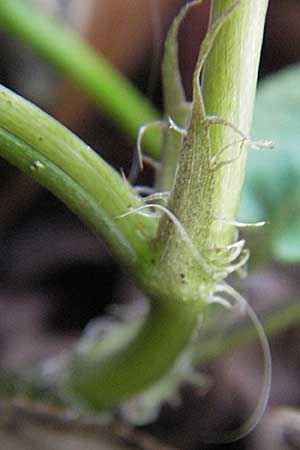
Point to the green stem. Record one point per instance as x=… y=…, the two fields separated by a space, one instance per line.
x=185 y=280
x=213 y=345
x=176 y=106
x=229 y=87
x=104 y=381
x=179 y=287
x=46 y=150
x=115 y=95
x=41 y=147
x=201 y=200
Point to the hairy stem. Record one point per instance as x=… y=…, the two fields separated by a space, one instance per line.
x=182 y=279
x=185 y=280
x=176 y=106
x=201 y=197
x=229 y=87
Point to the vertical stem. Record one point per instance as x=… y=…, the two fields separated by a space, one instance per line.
x=229 y=86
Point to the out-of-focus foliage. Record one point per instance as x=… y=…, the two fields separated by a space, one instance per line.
x=272 y=189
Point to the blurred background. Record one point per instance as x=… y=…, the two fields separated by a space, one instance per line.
x=56 y=276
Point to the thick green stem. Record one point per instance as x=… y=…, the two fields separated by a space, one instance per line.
x=215 y=344
x=104 y=381
x=115 y=95
x=209 y=179
x=229 y=87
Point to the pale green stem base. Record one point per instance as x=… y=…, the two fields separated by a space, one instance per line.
x=102 y=382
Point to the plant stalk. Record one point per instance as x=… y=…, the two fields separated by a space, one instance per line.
x=214 y=345
x=178 y=285
x=209 y=179
x=56 y=158
x=229 y=87
x=182 y=280
x=44 y=149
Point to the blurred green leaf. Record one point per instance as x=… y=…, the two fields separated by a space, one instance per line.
x=272 y=188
